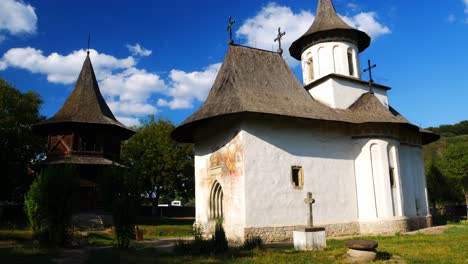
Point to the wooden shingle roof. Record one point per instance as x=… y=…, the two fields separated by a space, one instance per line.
x=258 y=81
x=328 y=26
x=85 y=105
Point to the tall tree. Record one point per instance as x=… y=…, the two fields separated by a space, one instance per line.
x=455 y=165
x=18 y=146
x=164 y=167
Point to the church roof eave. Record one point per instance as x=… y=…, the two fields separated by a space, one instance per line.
x=253 y=81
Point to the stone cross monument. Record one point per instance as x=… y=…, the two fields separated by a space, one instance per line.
x=310 y=237
x=310 y=201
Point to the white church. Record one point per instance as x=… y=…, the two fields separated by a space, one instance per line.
x=263 y=141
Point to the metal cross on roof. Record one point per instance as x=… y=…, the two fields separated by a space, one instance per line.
x=369 y=69
x=310 y=200
x=278 y=38
x=229 y=28
x=89 y=41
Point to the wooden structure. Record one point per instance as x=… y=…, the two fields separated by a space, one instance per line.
x=84 y=132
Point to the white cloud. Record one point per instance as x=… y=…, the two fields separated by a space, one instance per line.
x=466 y=6
x=129 y=121
x=367 y=22
x=17 y=17
x=138 y=50
x=132 y=85
x=131 y=108
x=260 y=30
x=186 y=87
x=59 y=68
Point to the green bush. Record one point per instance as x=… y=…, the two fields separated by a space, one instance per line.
x=219 y=239
x=200 y=246
x=49 y=203
x=122 y=195
x=253 y=243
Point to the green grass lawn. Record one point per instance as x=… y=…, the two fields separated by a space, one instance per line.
x=449 y=247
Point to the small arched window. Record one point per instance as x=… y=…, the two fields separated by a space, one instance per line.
x=351 y=62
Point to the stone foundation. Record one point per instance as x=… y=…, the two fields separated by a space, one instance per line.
x=285 y=233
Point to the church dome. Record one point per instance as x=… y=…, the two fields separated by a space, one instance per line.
x=328 y=26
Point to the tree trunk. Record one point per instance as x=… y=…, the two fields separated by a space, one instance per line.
x=434 y=208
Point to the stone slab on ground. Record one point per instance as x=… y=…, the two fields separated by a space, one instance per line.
x=360 y=256
x=367 y=245
x=308 y=239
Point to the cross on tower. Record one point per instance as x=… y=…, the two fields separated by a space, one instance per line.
x=229 y=28
x=278 y=38
x=310 y=200
x=369 y=69
x=89 y=41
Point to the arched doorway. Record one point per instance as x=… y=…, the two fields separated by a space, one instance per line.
x=216 y=201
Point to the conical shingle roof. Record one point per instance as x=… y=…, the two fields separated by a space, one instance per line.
x=84 y=105
x=328 y=26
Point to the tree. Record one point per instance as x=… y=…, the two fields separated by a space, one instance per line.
x=164 y=167
x=18 y=146
x=455 y=165
x=50 y=201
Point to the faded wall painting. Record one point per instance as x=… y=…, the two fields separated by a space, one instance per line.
x=229 y=159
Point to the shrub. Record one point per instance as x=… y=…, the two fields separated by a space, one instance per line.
x=219 y=239
x=49 y=203
x=121 y=192
x=253 y=243
x=200 y=246
x=197 y=231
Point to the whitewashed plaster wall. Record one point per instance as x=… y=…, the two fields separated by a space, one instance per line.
x=341 y=94
x=220 y=158
x=414 y=181
x=327 y=58
x=376 y=200
x=325 y=154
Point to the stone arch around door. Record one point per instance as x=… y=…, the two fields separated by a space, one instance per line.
x=216 y=201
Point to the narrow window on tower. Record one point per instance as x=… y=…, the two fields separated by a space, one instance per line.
x=350 y=62
x=392 y=177
x=297 y=177
x=310 y=64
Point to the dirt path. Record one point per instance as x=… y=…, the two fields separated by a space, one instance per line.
x=163 y=244
x=72 y=256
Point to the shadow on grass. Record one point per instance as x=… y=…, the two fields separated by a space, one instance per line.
x=383 y=255
x=165 y=221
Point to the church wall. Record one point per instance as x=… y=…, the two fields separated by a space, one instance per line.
x=341 y=94
x=324 y=153
x=220 y=158
x=378 y=200
x=414 y=181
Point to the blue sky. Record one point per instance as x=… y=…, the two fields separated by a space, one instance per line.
x=161 y=57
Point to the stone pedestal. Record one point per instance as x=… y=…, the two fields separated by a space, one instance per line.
x=308 y=239
x=361 y=251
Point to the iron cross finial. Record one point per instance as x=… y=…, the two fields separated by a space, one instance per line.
x=229 y=28
x=278 y=38
x=89 y=41
x=369 y=69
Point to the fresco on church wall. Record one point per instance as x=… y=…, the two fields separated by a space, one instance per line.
x=229 y=158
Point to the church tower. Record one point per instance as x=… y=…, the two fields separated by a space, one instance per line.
x=85 y=133
x=329 y=52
